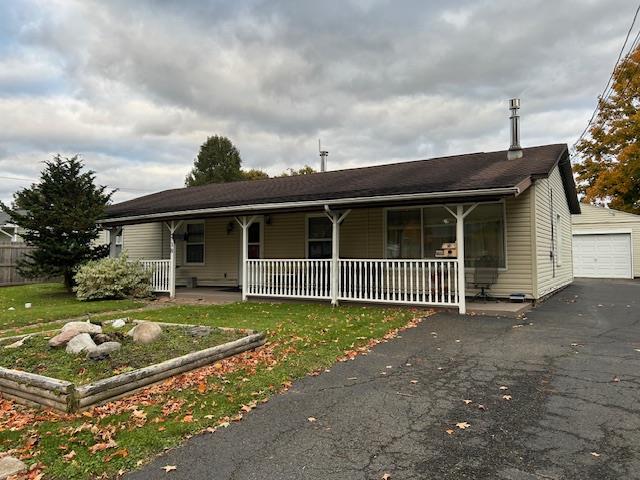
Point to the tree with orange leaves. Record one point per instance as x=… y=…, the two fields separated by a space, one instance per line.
x=609 y=172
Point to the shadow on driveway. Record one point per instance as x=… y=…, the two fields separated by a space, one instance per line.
x=561 y=412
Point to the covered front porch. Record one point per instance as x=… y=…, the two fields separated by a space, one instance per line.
x=334 y=255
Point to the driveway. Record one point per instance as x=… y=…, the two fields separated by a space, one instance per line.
x=571 y=368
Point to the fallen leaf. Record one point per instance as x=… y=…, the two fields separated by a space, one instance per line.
x=123 y=452
x=98 y=447
x=467 y=402
x=169 y=468
x=506 y=397
x=462 y=425
x=187 y=419
x=504 y=388
x=69 y=456
x=414 y=381
x=449 y=431
x=482 y=407
x=311 y=419
x=615 y=379
x=202 y=387
x=386 y=476
x=595 y=454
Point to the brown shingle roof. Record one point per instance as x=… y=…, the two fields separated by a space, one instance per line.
x=475 y=171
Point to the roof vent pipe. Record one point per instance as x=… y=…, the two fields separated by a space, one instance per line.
x=515 y=150
x=323 y=157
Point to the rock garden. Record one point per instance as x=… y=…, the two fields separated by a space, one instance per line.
x=84 y=363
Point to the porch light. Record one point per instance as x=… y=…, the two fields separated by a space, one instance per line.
x=267 y=220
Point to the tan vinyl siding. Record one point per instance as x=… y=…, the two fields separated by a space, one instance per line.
x=285 y=236
x=362 y=235
x=549 y=280
x=518 y=276
x=221 y=255
x=603 y=220
x=143 y=241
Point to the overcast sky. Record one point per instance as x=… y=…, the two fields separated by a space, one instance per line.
x=136 y=86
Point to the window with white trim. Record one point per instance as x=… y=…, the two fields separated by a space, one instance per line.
x=194 y=243
x=254 y=240
x=319 y=234
x=419 y=232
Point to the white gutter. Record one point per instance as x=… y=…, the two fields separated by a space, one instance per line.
x=317 y=203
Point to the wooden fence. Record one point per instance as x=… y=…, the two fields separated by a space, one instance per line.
x=10 y=254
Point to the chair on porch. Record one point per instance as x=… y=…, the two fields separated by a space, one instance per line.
x=485 y=275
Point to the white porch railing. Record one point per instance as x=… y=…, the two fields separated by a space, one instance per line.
x=425 y=282
x=421 y=282
x=161 y=273
x=289 y=278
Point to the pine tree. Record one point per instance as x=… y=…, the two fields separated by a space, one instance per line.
x=59 y=216
x=610 y=168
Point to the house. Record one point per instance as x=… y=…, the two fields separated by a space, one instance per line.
x=606 y=243
x=373 y=234
x=9 y=233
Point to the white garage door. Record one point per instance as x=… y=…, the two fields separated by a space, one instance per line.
x=602 y=256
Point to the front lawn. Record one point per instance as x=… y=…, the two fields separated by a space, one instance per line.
x=124 y=434
x=49 y=301
x=35 y=356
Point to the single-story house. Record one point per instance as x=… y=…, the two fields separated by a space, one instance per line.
x=410 y=233
x=606 y=243
x=9 y=232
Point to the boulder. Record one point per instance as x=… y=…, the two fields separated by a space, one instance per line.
x=101 y=338
x=80 y=343
x=103 y=350
x=119 y=323
x=200 y=331
x=63 y=338
x=10 y=466
x=145 y=332
x=81 y=327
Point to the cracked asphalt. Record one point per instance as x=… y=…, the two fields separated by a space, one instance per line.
x=571 y=369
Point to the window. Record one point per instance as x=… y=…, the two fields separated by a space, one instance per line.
x=419 y=232
x=194 y=243
x=319 y=233
x=118 y=241
x=253 y=240
x=403 y=233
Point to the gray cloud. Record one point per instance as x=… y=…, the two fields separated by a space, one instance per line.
x=137 y=86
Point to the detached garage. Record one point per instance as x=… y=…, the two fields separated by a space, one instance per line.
x=606 y=243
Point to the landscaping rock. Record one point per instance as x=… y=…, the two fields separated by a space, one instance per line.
x=102 y=351
x=63 y=338
x=200 y=331
x=100 y=338
x=10 y=466
x=119 y=323
x=80 y=343
x=146 y=332
x=81 y=327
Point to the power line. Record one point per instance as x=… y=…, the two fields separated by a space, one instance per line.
x=133 y=190
x=607 y=89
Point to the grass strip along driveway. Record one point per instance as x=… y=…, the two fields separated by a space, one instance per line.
x=49 y=301
x=123 y=435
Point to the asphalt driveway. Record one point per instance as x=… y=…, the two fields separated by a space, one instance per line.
x=572 y=372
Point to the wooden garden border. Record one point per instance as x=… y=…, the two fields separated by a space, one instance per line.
x=37 y=390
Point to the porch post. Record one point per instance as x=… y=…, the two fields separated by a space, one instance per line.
x=113 y=231
x=173 y=226
x=336 y=220
x=462 y=303
x=245 y=224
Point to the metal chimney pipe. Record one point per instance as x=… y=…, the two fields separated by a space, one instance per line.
x=515 y=150
x=323 y=157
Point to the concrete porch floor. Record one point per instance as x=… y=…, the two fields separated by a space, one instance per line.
x=225 y=295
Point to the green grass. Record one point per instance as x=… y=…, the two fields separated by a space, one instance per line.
x=36 y=356
x=302 y=339
x=50 y=301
